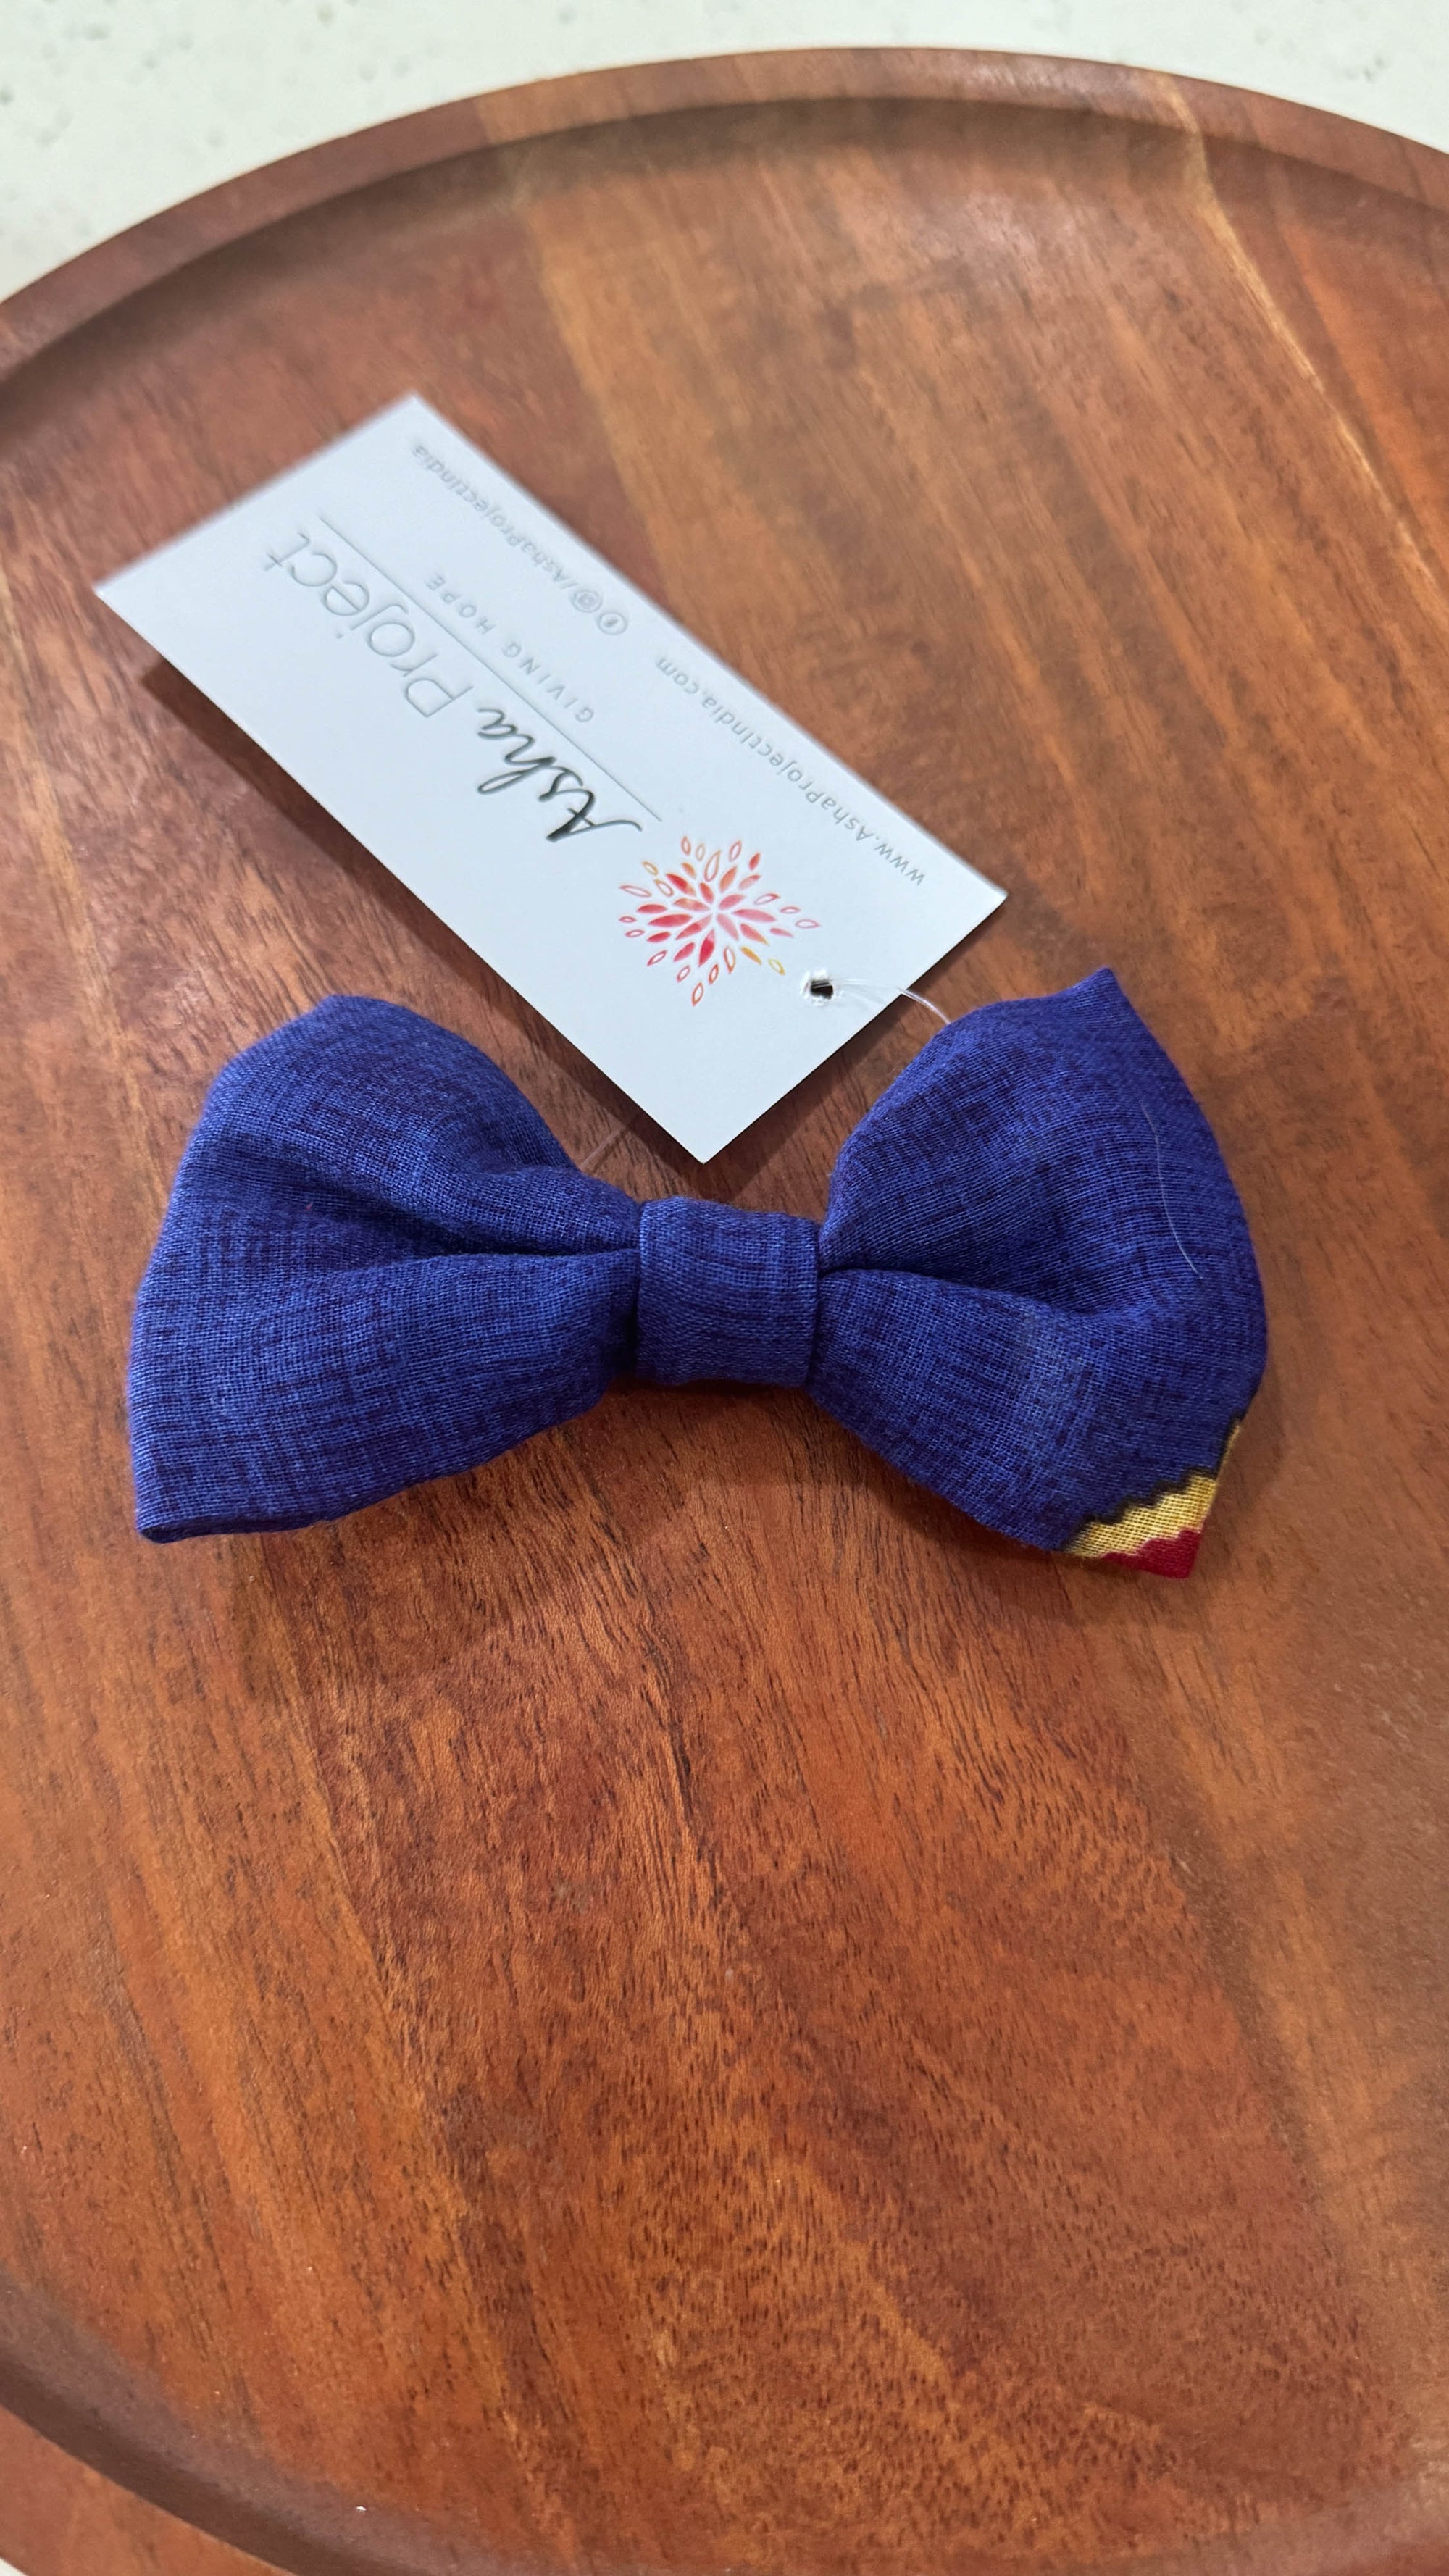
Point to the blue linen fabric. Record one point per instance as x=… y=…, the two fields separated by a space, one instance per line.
x=1033 y=1290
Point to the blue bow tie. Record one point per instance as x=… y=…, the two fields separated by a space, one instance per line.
x=1033 y=1289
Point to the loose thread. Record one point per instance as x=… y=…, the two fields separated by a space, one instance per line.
x=612 y=1139
x=1162 y=1193
x=824 y=988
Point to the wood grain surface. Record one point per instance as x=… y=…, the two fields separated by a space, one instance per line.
x=61 y=2517
x=671 y=2004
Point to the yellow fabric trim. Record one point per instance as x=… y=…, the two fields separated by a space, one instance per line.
x=1186 y=1507
x=1168 y=1517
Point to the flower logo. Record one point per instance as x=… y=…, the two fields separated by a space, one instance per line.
x=704 y=915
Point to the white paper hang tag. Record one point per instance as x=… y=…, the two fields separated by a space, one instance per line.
x=653 y=855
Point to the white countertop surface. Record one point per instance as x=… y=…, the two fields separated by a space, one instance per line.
x=110 y=109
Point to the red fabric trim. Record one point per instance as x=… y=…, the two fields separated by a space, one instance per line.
x=1171 y=1556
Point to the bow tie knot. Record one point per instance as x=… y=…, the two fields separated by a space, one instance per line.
x=725 y=1292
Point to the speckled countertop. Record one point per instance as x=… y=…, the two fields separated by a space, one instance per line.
x=110 y=109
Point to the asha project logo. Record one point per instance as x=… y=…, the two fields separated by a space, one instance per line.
x=708 y=913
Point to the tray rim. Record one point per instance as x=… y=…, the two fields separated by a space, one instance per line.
x=42 y=313
x=66 y=2386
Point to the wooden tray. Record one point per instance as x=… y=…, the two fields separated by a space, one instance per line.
x=672 y=2004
